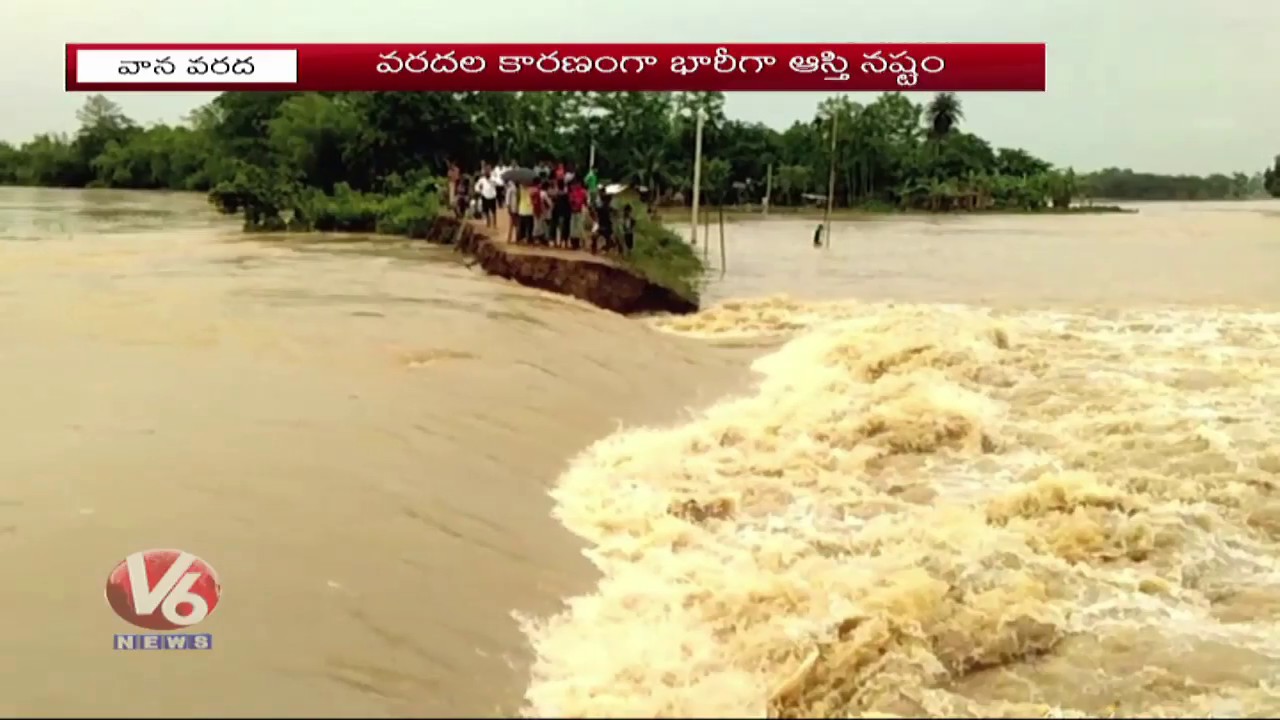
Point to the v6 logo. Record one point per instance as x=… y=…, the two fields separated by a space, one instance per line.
x=163 y=589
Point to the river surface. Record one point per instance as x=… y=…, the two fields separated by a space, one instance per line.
x=976 y=466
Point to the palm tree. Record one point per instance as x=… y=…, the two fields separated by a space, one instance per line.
x=944 y=114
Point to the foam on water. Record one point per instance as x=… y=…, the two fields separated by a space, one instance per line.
x=941 y=510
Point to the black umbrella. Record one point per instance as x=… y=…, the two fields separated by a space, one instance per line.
x=519 y=175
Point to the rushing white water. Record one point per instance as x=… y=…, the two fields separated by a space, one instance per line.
x=945 y=510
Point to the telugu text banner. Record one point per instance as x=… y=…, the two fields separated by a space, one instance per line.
x=853 y=67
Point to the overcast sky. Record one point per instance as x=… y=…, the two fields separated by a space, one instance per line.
x=1159 y=85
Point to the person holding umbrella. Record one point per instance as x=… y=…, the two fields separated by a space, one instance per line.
x=524 y=214
x=521 y=208
x=519 y=175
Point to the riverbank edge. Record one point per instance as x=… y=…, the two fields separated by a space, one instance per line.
x=739 y=213
x=593 y=279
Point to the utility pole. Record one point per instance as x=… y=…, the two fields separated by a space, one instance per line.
x=831 y=181
x=591 y=164
x=768 y=188
x=697 y=178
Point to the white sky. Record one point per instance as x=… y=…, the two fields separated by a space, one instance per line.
x=1158 y=85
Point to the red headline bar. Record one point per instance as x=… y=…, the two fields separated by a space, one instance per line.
x=930 y=67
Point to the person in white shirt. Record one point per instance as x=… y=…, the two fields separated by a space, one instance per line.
x=495 y=175
x=488 y=200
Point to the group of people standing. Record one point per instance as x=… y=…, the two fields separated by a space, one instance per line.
x=547 y=205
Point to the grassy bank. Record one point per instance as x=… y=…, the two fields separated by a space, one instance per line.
x=664 y=258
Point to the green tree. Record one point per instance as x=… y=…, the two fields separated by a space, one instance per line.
x=51 y=160
x=792 y=181
x=1271 y=179
x=715 y=179
x=313 y=134
x=1017 y=162
x=944 y=114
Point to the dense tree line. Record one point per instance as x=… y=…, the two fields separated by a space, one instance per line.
x=1271 y=178
x=891 y=152
x=1118 y=184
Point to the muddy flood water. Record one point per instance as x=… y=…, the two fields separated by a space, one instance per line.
x=973 y=466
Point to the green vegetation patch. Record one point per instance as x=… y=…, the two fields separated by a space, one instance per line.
x=664 y=258
x=272 y=204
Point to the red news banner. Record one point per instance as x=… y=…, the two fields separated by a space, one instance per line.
x=828 y=67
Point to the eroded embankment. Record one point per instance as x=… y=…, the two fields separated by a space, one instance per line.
x=595 y=279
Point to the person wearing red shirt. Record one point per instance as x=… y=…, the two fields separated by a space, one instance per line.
x=559 y=171
x=541 y=211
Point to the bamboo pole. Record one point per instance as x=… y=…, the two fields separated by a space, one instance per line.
x=697 y=179
x=831 y=182
x=723 y=264
x=706 y=236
